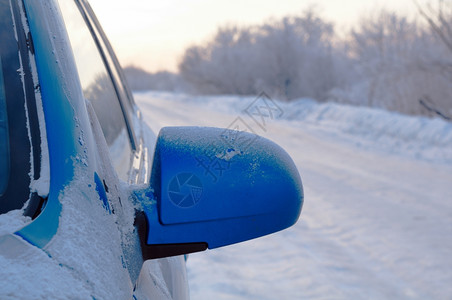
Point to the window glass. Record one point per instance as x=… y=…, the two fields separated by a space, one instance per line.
x=15 y=147
x=116 y=70
x=98 y=87
x=113 y=67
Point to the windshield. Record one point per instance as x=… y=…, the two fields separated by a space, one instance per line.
x=16 y=114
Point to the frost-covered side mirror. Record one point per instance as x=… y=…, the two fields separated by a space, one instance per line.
x=213 y=187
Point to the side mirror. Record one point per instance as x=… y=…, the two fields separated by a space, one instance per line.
x=213 y=187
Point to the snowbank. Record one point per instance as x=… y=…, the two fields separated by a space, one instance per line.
x=415 y=137
x=369 y=128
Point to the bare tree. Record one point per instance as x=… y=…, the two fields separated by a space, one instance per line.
x=439 y=18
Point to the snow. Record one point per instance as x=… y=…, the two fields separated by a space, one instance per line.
x=377 y=218
x=42 y=184
x=74 y=265
x=376 y=222
x=13 y=221
x=55 y=281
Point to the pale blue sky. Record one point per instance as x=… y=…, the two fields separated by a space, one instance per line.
x=153 y=34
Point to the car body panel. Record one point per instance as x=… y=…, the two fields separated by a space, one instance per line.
x=65 y=113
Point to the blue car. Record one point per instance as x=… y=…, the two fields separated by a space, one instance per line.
x=93 y=204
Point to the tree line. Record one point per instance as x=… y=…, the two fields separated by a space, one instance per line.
x=386 y=60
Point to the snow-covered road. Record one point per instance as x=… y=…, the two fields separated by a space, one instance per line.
x=377 y=218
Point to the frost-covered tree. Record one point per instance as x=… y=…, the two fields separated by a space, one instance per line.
x=387 y=60
x=140 y=80
x=288 y=58
x=394 y=58
x=439 y=19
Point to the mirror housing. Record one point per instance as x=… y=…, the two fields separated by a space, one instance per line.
x=213 y=187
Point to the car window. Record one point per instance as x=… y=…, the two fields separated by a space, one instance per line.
x=112 y=64
x=19 y=161
x=98 y=88
x=116 y=70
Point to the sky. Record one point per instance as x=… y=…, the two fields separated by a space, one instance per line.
x=154 y=34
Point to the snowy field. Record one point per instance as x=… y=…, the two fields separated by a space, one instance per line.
x=377 y=218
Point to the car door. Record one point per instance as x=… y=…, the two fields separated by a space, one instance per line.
x=110 y=107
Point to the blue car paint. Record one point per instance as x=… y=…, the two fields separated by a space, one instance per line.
x=102 y=193
x=230 y=208
x=60 y=111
